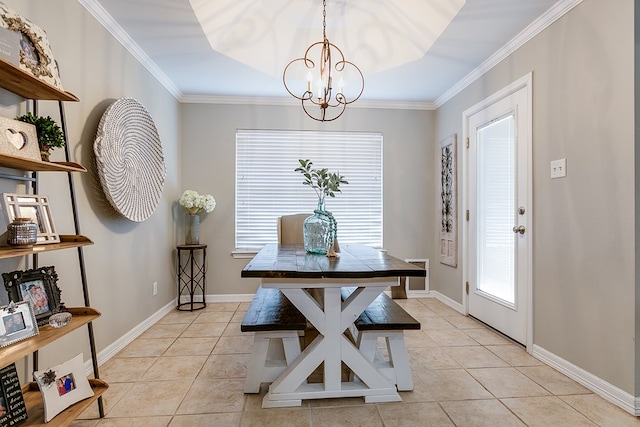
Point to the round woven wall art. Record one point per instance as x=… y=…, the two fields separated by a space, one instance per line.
x=129 y=159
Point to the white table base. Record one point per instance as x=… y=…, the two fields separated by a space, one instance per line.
x=332 y=347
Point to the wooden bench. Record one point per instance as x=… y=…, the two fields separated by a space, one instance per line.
x=277 y=325
x=385 y=318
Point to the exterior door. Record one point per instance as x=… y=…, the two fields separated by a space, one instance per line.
x=499 y=213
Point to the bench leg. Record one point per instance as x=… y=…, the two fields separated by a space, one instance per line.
x=399 y=358
x=270 y=355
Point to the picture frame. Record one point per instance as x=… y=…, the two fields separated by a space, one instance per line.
x=39 y=287
x=35 y=207
x=13 y=410
x=19 y=139
x=63 y=385
x=35 y=55
x=17 y=323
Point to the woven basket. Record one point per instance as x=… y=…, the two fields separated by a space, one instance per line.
x=129 y=159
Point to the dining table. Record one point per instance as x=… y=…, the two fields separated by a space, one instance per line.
x=313 y=282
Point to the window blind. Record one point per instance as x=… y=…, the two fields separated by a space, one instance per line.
x=268 y=187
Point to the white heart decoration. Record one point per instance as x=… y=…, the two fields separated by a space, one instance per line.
x=18 y=139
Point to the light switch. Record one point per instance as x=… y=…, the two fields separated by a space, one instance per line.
x=558 y=168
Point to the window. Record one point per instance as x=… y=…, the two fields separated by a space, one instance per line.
x=267 y=186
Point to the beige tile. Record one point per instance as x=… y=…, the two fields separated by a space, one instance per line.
x=213 y=395
x=231 y=419
x=204 y=330
x=233 y=345
x=352 y=416
x=170 y=368
x=136 y=421
x=434 y=323
x=225 y=366
x=147 y=399
x=244 y=306
x=418 y=339
x=452 y=384
x=487 y=337
x=238 y=316
x=125 y=370
x=423 y=359
x=546 y=411
x=165 y=330
x=507 y=382
x=143 y=347
x=192 y=346
x=461 y=321
x=109 y=398
x=413 y=414
x=450 y=337
x=84 y=423
x=336 y=402
x=552 y=380
x=514 y=355
x=438 y=307
x=233 y=330
x=420 y=392
x=480 y=413
x=214 y=317
x=222 y=306
x=179 y=317
x=474 y=357
x=278 y=417
x=600 y=411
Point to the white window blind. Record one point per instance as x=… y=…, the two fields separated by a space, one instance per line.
x=267 y=185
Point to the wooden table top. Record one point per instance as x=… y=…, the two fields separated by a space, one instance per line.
x=354 y=261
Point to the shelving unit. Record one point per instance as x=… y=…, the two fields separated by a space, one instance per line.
x=24 y=84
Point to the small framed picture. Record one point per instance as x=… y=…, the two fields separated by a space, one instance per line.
x=63 y=385
x=35 y=207
x=17 y=322
x=38 y=287
x=19 y=139
x=12 y=406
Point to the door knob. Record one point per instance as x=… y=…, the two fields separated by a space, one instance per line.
x=519 y=229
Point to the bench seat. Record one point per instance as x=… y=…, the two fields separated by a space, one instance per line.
x=277 y=326
x=384 y=318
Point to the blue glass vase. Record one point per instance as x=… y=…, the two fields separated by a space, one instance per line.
x=319 y=230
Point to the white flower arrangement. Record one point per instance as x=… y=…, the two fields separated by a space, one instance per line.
x=195 y=203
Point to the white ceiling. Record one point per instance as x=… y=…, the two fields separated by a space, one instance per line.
x=167 y=37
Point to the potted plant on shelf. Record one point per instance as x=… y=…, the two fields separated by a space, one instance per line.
x=319 y=230
x=195 y=204
x=49 y=133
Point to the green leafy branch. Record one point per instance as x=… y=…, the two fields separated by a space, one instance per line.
x=322 y=182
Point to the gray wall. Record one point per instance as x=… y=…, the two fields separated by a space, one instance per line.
x=208 y=166
x=584 y=283
x=126 y=257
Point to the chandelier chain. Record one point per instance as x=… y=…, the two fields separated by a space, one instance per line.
x=324 y=19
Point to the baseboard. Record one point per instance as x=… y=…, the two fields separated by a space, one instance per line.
x=597 y=385
x=127 y=338
x=419 y=294
x=448 y=301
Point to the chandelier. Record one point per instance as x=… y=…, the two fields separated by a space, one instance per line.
x=319 y=90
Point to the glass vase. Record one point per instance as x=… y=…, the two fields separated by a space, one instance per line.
x=192 y=236
x=319 y=230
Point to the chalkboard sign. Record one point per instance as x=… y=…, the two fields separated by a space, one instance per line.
x=14 y=411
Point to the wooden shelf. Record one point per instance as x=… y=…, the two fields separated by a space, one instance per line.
x=28 y=86
x=66 y=241
x=35 y=407
x=15 y=162
x=14 y=352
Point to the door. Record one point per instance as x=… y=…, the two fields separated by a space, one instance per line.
x=499 y=213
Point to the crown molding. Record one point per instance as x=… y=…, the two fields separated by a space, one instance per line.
x=107 y=21
x=554 y=13
x=292 y=102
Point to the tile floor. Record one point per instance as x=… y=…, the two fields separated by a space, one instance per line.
x=189 y=368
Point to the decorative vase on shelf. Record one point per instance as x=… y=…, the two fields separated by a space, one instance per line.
x=192 y=236
x=319 y=230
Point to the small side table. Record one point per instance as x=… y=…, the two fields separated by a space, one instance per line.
x=191 y=276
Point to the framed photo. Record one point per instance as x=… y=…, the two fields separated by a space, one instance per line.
x=63 y=385
x=35 y=207
x=12 y=407
x=35 y=55
x=19 y=139
x=17 y=322
x=38 y=287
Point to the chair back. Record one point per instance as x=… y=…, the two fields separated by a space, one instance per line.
x=290 y=228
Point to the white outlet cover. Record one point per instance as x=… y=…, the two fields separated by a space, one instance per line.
x=558 y=168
